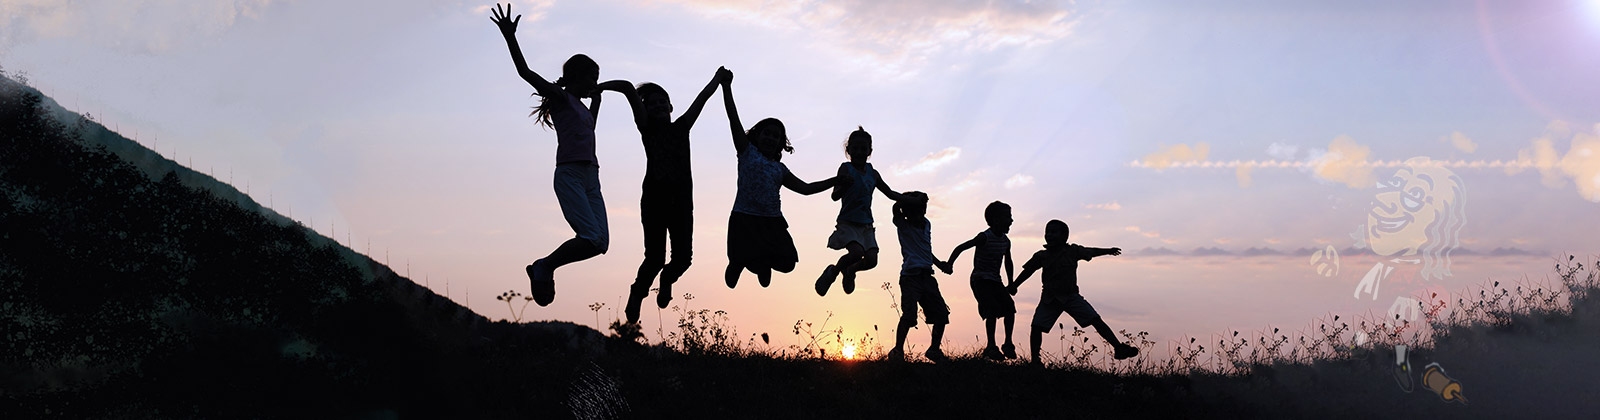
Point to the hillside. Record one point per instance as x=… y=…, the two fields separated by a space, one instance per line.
x=131 y=287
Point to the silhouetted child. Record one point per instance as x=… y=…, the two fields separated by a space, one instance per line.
x=666 y=201
x=577 y=174
x=994 y=248
x=854 y=232
x=1059 y=260
x=758 y=235
x=917 y=286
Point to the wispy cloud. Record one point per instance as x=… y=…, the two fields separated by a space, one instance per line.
x=1580 y=164
x=929 y=163
x=143 y=26
x=1112 y=206
x=1168 y=156
x=900 y=35
x=1460 y=142
x=1145 y=233
x=1018 y=181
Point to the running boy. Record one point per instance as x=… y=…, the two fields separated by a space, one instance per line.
x=917 y=285
x=1059 y=260
x=994 y=303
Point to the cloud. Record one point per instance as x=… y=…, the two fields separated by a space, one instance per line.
x=1580 y=164
x=1112 y=206
x=1156 y=252
x=929 y=163
x=1206 y=252
x=1243 y=174
x=1461 y=142
x=143 y=26
x=1167 y=156
x=1018 y=181
x=1345 y=162
x=898 y=36
x=1147 y=234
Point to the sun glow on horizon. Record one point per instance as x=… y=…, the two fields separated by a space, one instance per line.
x=849 y=351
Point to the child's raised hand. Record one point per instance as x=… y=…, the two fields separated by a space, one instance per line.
x=1116 y=251
x=724 y=75
x=503 y=19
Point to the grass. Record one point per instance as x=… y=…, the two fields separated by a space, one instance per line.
x=124 y=295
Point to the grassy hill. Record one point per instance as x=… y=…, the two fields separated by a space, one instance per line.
x=131 y=287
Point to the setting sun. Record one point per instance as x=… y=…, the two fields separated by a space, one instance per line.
x=849 y=351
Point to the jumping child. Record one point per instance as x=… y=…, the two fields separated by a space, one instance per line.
x=1059 y=260
x=577 y=174
x=994 y=303
x=666 y=202
x=758 y=235
x=854 y=232
x=917 y=285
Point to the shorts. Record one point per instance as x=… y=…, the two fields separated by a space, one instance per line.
x=1051 y=305
x=761 y=242
x=577 y=189
x=923 y=290
x=846 y=232
x=993 y=299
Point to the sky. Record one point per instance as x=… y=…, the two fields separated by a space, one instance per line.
x=1221 y=145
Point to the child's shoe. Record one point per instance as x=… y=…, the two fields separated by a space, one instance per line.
x=541 y=282
x=664 y=296
x=936 y=356
x=1010 y=351
x=993 y=352
x=896 y=355
x=1125 y=351
x=828 y=275
x=849 y=282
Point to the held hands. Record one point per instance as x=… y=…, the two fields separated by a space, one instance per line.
x=724 y=76
x=503 y=19
x=1012 y=288
x=944 y=266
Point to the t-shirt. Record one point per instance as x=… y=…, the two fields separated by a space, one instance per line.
x=667 y=178
x=991 y=250
x=759 y=180
x=1059 y=266
x=856 y=205
x=574 y=130
x=916 y=246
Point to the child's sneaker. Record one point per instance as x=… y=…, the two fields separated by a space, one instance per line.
x=1125 y=351
x=936 y=356
x=664 y=296
x=542 y=283
x=1009 y=350
x=896 y=355
x=993 y=352
x=828 y=275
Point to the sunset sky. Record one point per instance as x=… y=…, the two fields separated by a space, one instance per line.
x=1158 y=127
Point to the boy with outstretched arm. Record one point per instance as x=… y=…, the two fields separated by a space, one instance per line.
x=1059 y=260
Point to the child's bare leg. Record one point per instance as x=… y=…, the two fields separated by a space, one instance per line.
x=867 y=262
x=988 y=325
x=938 y=336
x=1010 y=320
x=1034 y=336
x=901 y=330
x=763 y=274
x=1105 y=331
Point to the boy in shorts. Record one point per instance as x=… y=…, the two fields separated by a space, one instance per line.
x=917 y=285
x=994 y=248
x=1059 y=260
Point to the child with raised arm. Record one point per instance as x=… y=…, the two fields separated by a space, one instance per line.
x=577 y=174
x=758 y=235
x=917 y=286
x=1059 y=260
x=994 y=248
x=854 y=232
x=666 y=203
